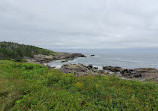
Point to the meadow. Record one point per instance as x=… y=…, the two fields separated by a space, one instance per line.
x=33 y=87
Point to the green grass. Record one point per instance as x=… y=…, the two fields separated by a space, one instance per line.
x=15 y=51
x=32 y=87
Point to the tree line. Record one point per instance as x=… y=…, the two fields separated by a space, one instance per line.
x=11 y=50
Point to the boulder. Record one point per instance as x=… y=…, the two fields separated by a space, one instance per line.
x=94 y=69
x=126 y=72
x=64 y=61
x=112 y=69
x=78 y=69
x=90 y=66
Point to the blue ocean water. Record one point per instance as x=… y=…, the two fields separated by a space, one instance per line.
x=123 y=59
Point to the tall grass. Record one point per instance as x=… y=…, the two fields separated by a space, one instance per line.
x=32 y=87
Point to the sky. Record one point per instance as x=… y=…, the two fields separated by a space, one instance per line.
x=80 y=24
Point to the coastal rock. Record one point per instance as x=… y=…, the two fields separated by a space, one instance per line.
x=101 y=71
x=141 y=73
x=77 y=69
x=43 y=58
x=68 y=56
x=127 y=72
x=94 y=69
x=146 y=73
x=64 y=61
x=92 y=55
x=90 y=66
x=146 y=70
x=112 y=69
x=65 y=57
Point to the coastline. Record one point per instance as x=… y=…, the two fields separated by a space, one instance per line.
x=80 y=69
x=43 y=59
x=25 y=82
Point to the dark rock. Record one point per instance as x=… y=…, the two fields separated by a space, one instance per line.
x=90 y=66
x=92 y=55
x=126 y=72
x=143 y=73
x=64 y=61
x=96 y=67
x=112 y=69
x=137 y=75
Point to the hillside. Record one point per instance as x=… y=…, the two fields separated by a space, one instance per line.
x=32 y=87
x=10 y=50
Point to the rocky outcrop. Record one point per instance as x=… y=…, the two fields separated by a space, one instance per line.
x=90 y=66
x=43 y=58
x=39 y=59
x=65 y=57
x=64 y=61
x=141 y=73
x=112 y=69
x=80 y=69
x=68 y=56
x=77 y=69
x=93 y=69
x=145 y=73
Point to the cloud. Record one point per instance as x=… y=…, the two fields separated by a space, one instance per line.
x=105 y=24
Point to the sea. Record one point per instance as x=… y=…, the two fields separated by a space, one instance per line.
x=124 y=59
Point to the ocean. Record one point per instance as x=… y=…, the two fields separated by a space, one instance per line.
x=123 y=59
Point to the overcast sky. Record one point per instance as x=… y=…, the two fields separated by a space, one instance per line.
x=105 y=24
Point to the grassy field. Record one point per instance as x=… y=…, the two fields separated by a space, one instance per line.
x=31 y=87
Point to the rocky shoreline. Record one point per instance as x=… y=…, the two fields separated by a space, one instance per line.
x=42 y=59
x=80 y=69
x=138 y=73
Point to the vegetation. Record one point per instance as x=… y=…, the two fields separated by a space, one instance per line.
x=10 y=50
x=25 y=86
